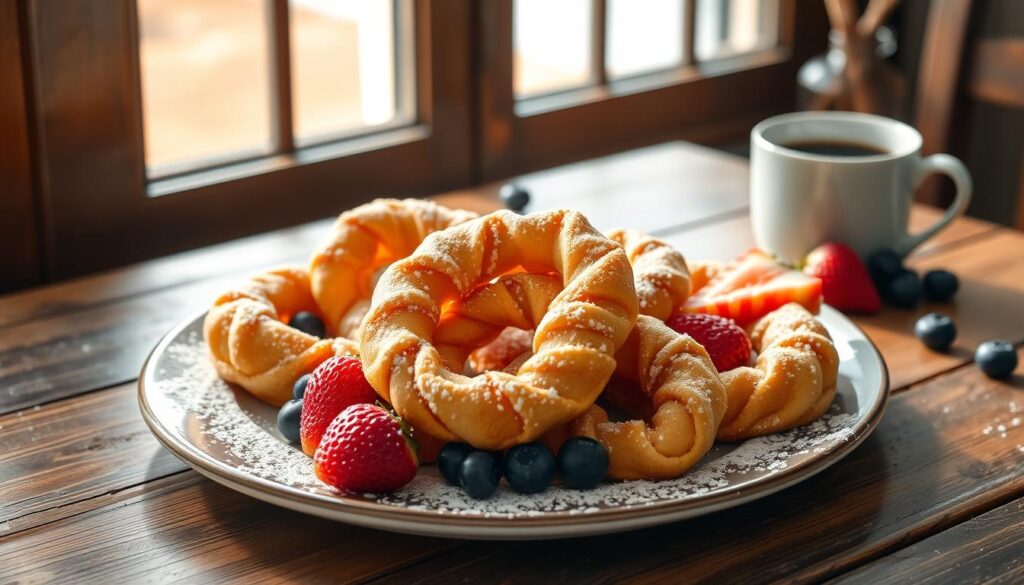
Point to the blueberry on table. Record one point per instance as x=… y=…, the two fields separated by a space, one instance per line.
x=904 y=291
x=307 y=322
x=935 y=330
x=529 y=468
x=940 y=285
x=997 y=359
x=449 y=460
x=883 y=266
x=583 y=463
x=514 y=196
x=479 y=475
x=299 y=388
x=288 y=420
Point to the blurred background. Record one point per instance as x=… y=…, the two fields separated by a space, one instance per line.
x=136 y=128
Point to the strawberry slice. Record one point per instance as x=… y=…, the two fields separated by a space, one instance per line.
x=846 y=284
x=752 y=286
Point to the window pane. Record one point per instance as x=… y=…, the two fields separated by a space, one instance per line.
x=551 y=45
x=205 y=80
x=343 y=65
x=728 y=27
x=644 y=35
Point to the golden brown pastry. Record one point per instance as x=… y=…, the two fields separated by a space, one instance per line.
x=251 y=343
x=793 y=381
x=590 y=316
x=363 y=241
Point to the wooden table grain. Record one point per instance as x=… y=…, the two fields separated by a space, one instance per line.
x=88 y=495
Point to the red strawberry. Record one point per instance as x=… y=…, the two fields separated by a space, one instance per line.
x=333 y=386
x=845 y=282
x=366 y=449
x=727 y=344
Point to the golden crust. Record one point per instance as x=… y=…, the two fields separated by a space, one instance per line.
x=251 y=343
x=793 y=381
x=660 y=275
x=415 y=362
x=678 y=380
x=363 y=241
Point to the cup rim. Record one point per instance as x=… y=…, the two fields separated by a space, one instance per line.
x=758 y=139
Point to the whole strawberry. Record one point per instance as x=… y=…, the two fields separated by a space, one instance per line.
x=333 y=386
x=724 y=340
x=845 y=281
x=366 y=449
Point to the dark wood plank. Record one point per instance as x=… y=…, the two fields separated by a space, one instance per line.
x=997 y=72
x=19 y=239
x=190 y=529
x=937 y=459
x=986 y=549
x=73 y=450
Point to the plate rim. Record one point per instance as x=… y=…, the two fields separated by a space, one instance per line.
x=369 y=513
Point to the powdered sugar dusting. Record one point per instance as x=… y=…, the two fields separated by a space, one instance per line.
x=234 y=427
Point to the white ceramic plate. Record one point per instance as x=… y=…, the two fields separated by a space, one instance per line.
x=230 y=437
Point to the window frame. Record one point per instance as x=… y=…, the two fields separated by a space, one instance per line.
x=709 y=101
x=97 y=205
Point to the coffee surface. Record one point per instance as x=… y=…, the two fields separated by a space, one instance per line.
x=835 y=148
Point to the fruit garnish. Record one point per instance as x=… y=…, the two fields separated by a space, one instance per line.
x=299 y=388
x=583 y=463
x=724 y=340
x=904 y=290
x=333 y=386
x=288 y=420
x=307 y=322
x=998 y=359
x=752 y=286
x=530 y=468
x=935 y=330
x=366 y=449
x=940 y=285
x=845 y=282
x=480 y=474
x=883 y=266
x=449 y=460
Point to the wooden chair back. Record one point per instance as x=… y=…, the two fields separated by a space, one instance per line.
x=990 y=71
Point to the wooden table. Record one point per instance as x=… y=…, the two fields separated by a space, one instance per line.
x=87 y=494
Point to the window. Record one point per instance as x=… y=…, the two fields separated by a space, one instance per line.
x=160 y=125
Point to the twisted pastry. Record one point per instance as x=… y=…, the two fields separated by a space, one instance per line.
x=250 y=342
x=576 y=334
x=793 y=381
x=364 y=240
x=659 y=272
x=684 y=396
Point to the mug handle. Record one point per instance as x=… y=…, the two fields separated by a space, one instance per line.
x=954 y=169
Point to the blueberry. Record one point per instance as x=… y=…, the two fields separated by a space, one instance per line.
x=997 y=359
x=299 y=388
x=583 y=462
x=288 y=420
x=307 y=322
x=514 y=196
x=904 y=291
x=935 y=330
x=479 y=475
x=884 y=265
x=529 y=468
x=449 y=460
x=940 y=285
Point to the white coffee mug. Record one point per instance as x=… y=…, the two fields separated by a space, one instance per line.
x=800 y=199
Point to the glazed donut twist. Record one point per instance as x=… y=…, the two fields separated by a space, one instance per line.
x=251 y=343
x=660 y=275
x=682 y=390
x=364 y=240
x=576 y=335
x=793 y=381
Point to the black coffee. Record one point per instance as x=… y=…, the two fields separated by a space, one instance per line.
x=835 y=148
